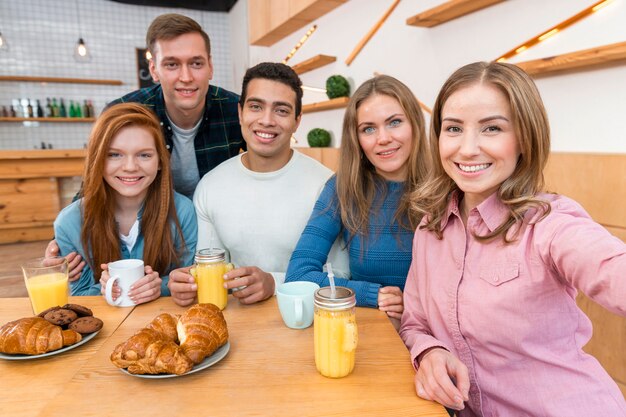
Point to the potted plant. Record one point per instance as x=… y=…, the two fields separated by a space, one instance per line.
x=318 y=138
x=337 y=86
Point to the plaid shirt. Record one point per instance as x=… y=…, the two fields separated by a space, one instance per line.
x=219 y=137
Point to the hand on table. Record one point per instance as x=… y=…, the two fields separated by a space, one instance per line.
x=75 y=262
x=259 y=285
x=434 y=379
x=183 y=286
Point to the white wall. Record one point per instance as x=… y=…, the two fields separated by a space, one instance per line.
x=586 y=107
x=41 y=35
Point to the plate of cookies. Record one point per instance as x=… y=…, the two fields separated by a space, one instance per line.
x=50 y=333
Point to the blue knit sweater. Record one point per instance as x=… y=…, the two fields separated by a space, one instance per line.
x=380 y=259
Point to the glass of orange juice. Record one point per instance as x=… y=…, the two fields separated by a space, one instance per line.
x=208 y=271
x=46 y=282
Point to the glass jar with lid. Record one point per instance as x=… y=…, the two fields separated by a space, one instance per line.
x=210 y=266
x=335 y=331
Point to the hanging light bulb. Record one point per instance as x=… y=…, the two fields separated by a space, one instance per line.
x=4 y=46
x=81 y=53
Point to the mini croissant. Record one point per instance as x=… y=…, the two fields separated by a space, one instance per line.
x=34 y=336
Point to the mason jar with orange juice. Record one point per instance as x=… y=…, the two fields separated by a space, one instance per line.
x=209 y=269
x=335 y=331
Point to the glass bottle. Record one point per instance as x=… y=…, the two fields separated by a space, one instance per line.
x=39 y=109
x=208 y=271
x=49 y=112
x=55 y=107
x=335 y=331
x=62 y=109
x=86 y=112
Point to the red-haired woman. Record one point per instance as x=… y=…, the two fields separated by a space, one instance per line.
x=128 y=208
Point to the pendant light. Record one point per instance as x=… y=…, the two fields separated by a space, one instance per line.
x=81 y=53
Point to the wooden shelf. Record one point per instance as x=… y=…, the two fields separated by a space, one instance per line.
x=272 y=20
x=59 y=80
x=336 y=103
x=313 y=63
x=448 y=11
x=49 y=119
x=580 y=59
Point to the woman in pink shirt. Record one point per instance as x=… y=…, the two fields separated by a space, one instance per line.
x=490 y=311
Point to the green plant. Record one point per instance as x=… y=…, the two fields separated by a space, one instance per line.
x=337 y=86
x=318 y=138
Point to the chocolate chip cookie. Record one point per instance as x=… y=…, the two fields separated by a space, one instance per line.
x=88 y=324
x=81 y=311
x=61 y=316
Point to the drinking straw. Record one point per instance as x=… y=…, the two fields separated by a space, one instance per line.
x=331 y=278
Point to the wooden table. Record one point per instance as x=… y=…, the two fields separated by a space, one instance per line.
x=27 y=386
x=269 y=371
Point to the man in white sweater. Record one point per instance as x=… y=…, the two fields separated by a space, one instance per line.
x=256 y=205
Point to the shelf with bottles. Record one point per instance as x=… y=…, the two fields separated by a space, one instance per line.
x=28 y=110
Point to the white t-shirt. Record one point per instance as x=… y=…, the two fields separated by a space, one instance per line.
x=259 y=216
x=183 y=162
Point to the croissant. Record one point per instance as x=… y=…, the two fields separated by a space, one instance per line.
x=151 y=352
x=34 y=336
x=165 y=323
x=201 y=331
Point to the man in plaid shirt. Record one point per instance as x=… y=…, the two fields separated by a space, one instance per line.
x=200 y=121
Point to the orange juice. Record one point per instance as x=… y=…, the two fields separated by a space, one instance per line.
x=336 y=338
x=335 y=332
x=210 y=280
x=47 y=290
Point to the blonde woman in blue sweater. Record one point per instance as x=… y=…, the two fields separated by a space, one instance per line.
x=382 y=158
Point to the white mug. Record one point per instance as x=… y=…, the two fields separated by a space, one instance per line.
x=295 y=302
x=126 y=272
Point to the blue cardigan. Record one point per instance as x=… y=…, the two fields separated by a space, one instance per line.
x=67 y=227
x=381 y=259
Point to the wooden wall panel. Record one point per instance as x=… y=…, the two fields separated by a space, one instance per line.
x=328 y=157
x=597 y=181
x=28 y=200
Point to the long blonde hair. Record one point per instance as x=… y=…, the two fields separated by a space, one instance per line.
x=99 y=231
x=357 y=180
x=532 y=129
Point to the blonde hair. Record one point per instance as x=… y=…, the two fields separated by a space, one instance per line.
x=99 y=233
x=357 y=180
x=532 y=129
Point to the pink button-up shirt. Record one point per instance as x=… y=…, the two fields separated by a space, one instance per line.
x=508 y=312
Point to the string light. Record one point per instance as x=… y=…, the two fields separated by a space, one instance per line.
x=300 y=43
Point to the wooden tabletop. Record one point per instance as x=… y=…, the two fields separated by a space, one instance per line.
x=269 y=371
x=28 y=385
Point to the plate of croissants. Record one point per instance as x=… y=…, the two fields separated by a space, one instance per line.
x=52 y=332
x=175 y=345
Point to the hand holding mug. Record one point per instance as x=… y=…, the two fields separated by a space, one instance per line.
x=147 y=288
x=125 y=273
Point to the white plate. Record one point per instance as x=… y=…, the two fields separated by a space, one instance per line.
x=217 y=356
x=21 y=357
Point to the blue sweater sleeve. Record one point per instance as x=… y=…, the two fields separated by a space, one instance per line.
x=189 y=227
x=311 y=252
x=67 y=235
